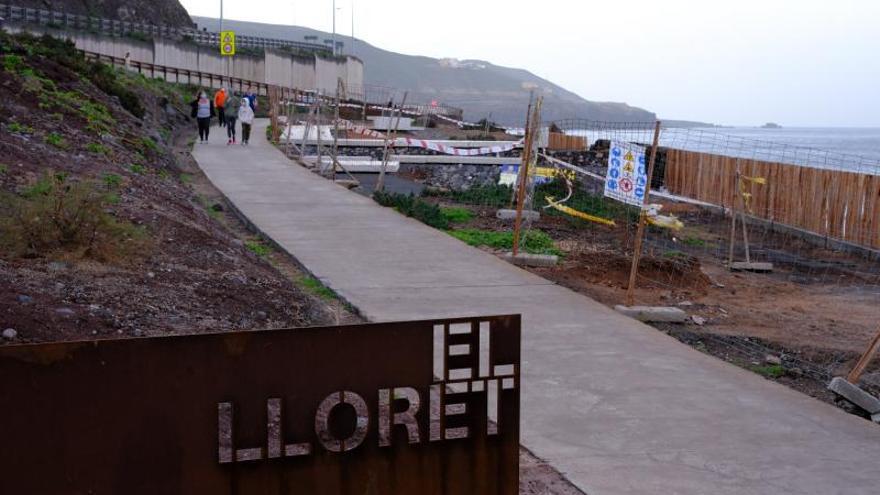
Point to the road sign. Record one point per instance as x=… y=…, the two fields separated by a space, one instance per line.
x=227 y=43
x=627 y=174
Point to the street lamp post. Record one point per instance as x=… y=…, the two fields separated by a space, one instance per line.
x=334 y=27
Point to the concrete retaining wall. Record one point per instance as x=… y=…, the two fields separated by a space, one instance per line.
x=311 y=72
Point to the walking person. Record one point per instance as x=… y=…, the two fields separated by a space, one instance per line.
x=251 y=98
x=233 y=104
x=219 y=104
x=246 y=116
x=202 y=111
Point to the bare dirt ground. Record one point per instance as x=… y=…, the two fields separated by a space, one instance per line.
x=805 y=322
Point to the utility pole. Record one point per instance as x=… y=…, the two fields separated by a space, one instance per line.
x=352 y=27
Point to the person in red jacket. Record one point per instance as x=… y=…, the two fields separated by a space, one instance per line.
x=219 y=104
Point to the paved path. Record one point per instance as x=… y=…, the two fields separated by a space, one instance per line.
x=616 y=406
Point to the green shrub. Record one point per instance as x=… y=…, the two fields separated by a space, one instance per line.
x=149 y=144
x=693 y=241
x=415 y=207
x=137 y=168
x=56 y=140
x=457 y=214
x=532 y=241
x=258 y=248
x=12 y=63
x=16 y=128
x=493 y=195
x=97 y=148
x=57 y=215
x=104 y=77
x=3 y=169
x=111 y=181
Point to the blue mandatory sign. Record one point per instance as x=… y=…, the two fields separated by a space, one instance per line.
x=615 y=162
x=641 y=180
x=642 y=159
x=612 y=184
x=639 y=192
x=614 y=173
x=615 y=151
x=642 y=171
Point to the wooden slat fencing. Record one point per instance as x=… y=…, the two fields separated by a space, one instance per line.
x=562 y=142
x=832 y=203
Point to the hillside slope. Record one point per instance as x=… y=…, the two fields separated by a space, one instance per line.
x=159 y=12
x=479 y=87
x=102 y=232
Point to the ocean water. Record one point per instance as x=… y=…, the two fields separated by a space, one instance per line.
x=854 y=149
x=845 y=148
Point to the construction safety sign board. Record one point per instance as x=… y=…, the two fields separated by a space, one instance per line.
x=627 y=177
x=227 y=43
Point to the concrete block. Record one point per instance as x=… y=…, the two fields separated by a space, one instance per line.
x=666 y=314
x=526 y=259
x=742 y=266
x=348 y=183
x=855 y=395
x=511 y=215
x=876 y=418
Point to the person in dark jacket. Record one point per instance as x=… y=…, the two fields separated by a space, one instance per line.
x=233 y=103
x=251 y=98
x=202 y=111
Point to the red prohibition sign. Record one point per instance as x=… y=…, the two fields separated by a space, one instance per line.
x=626 y=185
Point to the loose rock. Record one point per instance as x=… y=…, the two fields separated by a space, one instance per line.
x=10 y=334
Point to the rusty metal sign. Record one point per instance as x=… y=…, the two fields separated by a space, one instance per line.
x=424 y=407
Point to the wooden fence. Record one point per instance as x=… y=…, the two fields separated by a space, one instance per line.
x=562 y=142
x=832 y=203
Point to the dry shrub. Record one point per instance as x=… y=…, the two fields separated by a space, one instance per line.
x=59 y=216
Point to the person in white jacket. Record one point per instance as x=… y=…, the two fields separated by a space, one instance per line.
x=246 y=117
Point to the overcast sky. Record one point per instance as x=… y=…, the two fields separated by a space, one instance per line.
x=743 y=62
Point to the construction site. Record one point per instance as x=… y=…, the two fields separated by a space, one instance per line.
x=699 y=311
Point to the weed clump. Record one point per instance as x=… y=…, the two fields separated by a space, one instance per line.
x=59 y=216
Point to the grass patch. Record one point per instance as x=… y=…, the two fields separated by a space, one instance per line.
x=315 y=287
x=532 y=241
x=769 y=371
x=456 y=214
x=257 y=247
x=137 y=168
x=3 y=169
x=55 y=139
x=186 y=178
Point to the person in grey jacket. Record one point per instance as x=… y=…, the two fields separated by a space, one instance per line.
x=246 y=116
x=233 y=103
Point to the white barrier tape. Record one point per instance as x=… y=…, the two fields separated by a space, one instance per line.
x=449 y=150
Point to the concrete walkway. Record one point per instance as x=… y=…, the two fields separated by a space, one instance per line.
x=616 y=406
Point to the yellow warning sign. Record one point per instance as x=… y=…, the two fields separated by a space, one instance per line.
x=628 y=156
x=227 y=43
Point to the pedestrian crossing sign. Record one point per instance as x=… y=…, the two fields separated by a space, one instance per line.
x=227 y=43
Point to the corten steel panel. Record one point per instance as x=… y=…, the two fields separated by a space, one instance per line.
x=142 y=416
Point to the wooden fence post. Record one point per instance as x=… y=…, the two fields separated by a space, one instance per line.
x=640 y=230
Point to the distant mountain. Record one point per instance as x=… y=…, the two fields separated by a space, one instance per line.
x=159 y=12
x=479 y=87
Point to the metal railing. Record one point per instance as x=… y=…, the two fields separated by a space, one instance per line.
x=64 y=20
